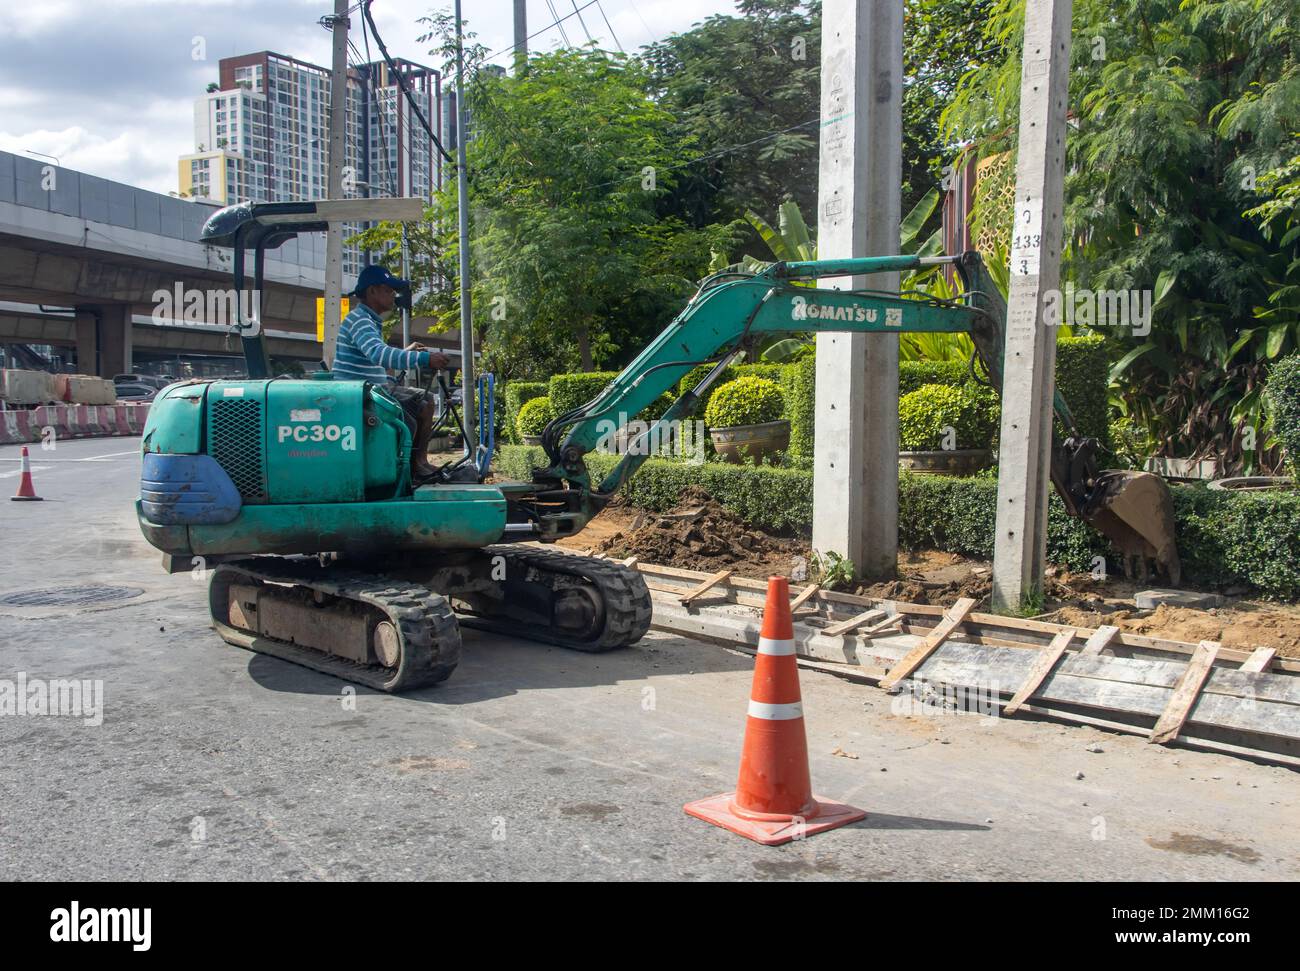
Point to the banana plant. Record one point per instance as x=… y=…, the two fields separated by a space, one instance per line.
x=792 y=242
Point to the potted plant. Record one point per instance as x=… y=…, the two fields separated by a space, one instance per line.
x=744 y=420
x=946 y=430
x=533 y=418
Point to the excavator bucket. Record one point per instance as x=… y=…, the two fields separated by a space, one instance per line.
x=1136 y=513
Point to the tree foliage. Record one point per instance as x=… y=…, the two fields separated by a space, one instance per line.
x=1177 y=106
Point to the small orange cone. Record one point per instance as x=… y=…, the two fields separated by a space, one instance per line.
x=26 y=493
x=773 y=802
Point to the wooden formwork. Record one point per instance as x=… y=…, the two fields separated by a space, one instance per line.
x=1201 y=695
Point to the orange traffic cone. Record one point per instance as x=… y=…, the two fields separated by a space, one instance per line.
x=26 y=493
x=773 y=802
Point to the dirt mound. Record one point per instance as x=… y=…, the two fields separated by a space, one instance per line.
x=699 y=534
x=1242 y=626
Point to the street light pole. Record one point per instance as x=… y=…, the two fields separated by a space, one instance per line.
x=462 y=206
x=338 y=125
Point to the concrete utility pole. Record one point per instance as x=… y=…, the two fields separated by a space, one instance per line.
x=468 y=416
x=521 y=34
x=1024 y=452
x=337 y=160
x=855 y=480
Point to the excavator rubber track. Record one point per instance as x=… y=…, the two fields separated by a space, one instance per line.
x=424 y=633
x=624 y=600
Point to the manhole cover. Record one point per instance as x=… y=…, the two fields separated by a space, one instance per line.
x=69 y=596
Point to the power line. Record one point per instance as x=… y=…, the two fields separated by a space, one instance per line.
x=559 y=22
x=390 y=176
x=401 y=81
x=636 y=10
x=601 y=7
x=590 y=39
x=538 y=33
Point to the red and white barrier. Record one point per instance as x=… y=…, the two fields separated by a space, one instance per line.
x=71 y=421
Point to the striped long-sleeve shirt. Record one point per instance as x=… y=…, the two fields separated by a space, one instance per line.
x=362 y=355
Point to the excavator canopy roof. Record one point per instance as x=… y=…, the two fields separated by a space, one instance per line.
x=273 y=223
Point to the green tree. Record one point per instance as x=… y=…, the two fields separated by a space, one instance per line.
x=573 y=266
x=1176 y=105
x=747 y=91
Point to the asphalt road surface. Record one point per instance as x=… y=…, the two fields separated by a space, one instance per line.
x=208 y=762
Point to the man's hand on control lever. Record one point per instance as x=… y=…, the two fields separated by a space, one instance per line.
x=437 y=360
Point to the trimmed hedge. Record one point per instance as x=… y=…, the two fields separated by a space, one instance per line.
x=569 y=391
x=534 y=416
x=913 y=374
x=1082 y=376
x=972 y=410
x=1224 y=538
x=516 y=394
x=745 y=401
x=772 y=372
x=1283 y=392
x=799 y=389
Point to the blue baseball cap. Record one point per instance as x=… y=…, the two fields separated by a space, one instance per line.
x=375 y=275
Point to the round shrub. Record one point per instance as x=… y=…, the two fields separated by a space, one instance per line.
x=745 y=401
x=533 y=416
x=972 y=411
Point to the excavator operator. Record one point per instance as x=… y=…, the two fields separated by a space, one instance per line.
x=363 y=355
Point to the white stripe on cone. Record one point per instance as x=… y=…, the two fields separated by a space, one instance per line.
x=781 y=648
x=776 y=713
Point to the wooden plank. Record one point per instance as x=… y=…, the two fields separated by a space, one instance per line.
x=1101 y=637
x=705 y=586
x=1259 y=660
x=844 y=627
x=884 y=625
x=1016 y=628
x=1171 y=720
x=917 y=656
x=804 y=596
x=630 y=561
x=1266 y=728
x=1042 y=667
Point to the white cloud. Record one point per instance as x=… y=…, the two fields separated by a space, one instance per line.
x=108 y=85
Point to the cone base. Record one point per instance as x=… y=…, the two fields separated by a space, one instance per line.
x=717 y=810
x=26 y=498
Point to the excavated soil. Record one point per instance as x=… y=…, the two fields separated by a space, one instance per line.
x=699 y=534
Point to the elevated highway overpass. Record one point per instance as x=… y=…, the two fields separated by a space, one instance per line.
x=82 y=259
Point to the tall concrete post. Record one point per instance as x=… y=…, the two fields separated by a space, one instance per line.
x=855 y=483
x=521 y=34
x=1024 y=452
x=337 y=161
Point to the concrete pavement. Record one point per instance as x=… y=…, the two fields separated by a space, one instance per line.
x=531 y=762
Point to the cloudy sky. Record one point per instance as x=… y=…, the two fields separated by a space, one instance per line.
x=108 y=86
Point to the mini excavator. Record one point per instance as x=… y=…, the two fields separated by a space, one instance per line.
x=325 y=551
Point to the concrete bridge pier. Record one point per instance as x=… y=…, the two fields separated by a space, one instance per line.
x=104 y=339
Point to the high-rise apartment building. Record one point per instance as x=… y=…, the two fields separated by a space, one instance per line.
x=262 y=134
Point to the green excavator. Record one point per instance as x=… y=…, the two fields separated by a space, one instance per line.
x=298 y=494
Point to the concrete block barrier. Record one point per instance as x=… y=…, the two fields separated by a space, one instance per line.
x=21 y=425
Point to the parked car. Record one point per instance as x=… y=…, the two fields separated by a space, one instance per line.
x=134 y=391
x=148 y=380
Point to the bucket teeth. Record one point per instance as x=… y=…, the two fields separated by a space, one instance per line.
x=1136 y=513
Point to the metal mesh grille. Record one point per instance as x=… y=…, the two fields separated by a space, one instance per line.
x=235 y=441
